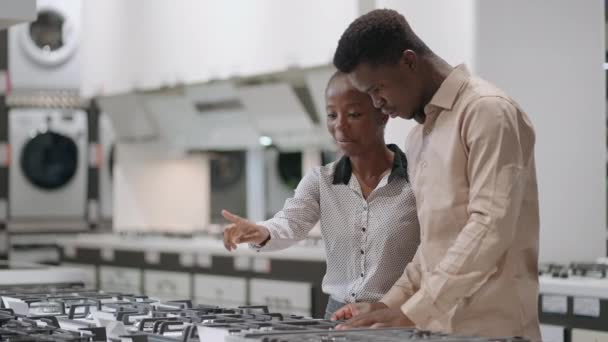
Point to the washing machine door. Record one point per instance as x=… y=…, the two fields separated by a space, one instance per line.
x=52 y=39
x=49 y=160
x=111 y=160
x=290 y=168
x=227 y=169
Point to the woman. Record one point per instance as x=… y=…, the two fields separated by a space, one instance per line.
x=364 y=202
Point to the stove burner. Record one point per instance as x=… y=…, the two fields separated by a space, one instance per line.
x=587 y=270
x=386 y=334
x=76 y=314
x=590 y=270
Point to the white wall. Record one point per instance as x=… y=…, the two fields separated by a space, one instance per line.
x=147 y=43
x=447 y=27
x=105 y=66
x=155 y=190
x=139 y=44
x=548 y=55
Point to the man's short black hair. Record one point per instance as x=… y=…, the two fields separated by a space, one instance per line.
x=378 y=37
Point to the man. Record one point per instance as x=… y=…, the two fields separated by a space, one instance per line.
x=473 y=173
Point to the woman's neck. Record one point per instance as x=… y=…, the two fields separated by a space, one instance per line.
x=373 y=162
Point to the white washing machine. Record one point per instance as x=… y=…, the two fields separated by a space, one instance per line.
x=48 y=171
x=107 y=145
x=44 y=54
x=283 y=173
x=228 y=184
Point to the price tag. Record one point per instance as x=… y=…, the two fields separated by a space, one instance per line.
x=555 y=304
x=3 y=81
x=186 y=259
x=204 y=260
x=152 y=257
x=585 y=306
x=261 y=265
x=107 y=254
x=4 y=154
x=4 y=242
x=242 y=263
x=69 y=251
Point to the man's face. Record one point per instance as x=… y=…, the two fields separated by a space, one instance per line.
x=393 y=88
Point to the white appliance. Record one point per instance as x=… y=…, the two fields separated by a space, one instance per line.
x=552 y=333
x=583 y=335
x=228 y=184
x=278 y=295
x=16 y=273
x=166 y=285
x=48 y=173
x=218 y=290
x=120 y=279
x=36 y=248
x=283 y=173
x=107 y=143
x=44 y=54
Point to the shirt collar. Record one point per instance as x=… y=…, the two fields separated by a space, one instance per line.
x=343 y=168
x=447 y=93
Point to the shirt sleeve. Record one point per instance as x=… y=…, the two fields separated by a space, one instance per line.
x=405 y=287
x=298 y=216
x=499 y=141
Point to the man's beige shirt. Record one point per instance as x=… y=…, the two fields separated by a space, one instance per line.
x=474 y=179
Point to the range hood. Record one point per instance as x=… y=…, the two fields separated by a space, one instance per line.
x=229 y=114
x=130 y=118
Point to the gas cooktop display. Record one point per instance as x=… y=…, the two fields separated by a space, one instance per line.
x=55 y=313
x=585 y=270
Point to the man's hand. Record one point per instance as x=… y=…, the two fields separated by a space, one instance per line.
x=378 y=319
x=242 y=231
x=351 y=310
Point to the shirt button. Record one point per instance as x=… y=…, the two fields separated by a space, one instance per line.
x=352 y=294
x=363 y=229
x=361 y=275
x=362 y=252
x=423 y=164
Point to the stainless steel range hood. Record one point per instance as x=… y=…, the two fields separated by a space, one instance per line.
x=229 y=114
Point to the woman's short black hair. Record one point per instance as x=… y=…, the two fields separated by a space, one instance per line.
x=378 y=37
